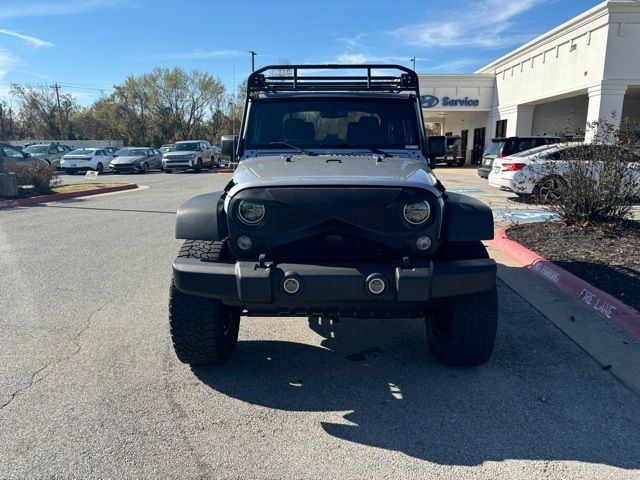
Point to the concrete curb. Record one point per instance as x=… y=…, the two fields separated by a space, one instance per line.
x=624 y=316
x=63 y=196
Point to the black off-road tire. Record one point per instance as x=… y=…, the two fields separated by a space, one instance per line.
x=203 y=330
x=199 y=165
x=463 y=333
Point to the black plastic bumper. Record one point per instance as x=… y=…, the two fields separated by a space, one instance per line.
x=484 y=171
x=333 y=288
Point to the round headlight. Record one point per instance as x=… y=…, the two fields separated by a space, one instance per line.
x=417 y=213
x=250 y=213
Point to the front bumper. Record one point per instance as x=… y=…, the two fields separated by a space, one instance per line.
x=178 y=164
x=132 y=168
x=334 y=289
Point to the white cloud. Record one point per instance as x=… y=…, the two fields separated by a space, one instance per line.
x=7 y=62
x=209 y=54
x=31 y=40
x=26 y=9
x=484 y=24
x=351 y=57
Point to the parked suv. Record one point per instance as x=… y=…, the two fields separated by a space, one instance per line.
x=333 y=211
x=51 y=153
x=454 y=154
x=503 y=147
x=190 y=154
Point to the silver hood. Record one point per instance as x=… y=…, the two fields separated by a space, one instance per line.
x=127 y=160
x=326 y=170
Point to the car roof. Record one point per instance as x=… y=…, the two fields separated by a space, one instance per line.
x=189 y=141
x=545 y=148
x=504 y=139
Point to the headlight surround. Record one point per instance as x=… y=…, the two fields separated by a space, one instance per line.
x=417 y=213
x=251 y=213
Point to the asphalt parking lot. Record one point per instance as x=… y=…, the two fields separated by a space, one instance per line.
x=90 y=386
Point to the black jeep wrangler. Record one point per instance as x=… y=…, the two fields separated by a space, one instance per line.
x=334 y=212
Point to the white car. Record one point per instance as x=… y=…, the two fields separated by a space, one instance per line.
x=84 y=159
x=538 y=171
x=530 y=171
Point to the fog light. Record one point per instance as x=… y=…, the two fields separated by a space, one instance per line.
x=291 y=286
x=376 y=286
x=423 y=243
x=245 y=243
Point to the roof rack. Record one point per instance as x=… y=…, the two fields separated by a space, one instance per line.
x=288 y=78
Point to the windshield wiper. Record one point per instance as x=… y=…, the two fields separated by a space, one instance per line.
x=375 y=150
x=298 y=149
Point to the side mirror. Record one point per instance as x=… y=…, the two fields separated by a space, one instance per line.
x=228 y=144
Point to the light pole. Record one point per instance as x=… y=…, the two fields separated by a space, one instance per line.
x=233 y=130
x=253 y=60
x=413 y=60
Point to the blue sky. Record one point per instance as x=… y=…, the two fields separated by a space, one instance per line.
x=88 y=45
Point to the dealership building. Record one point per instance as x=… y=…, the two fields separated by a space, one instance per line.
x=580 y=72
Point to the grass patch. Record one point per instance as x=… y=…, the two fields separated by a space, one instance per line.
x=81 y=187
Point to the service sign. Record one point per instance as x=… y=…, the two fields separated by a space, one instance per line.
x=431 y=101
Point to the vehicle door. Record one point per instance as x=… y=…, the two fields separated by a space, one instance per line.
x=154 y=158
x=13 y=154
x=206 y=154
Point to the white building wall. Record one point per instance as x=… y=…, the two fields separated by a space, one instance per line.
x=566 y=116
x=595 y=53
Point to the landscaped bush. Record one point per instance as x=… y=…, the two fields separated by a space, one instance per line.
x=38 y=174
x=598 y=182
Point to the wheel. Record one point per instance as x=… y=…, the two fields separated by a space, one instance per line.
x=460 y=163
x=48 y=161
x=463 y=333
x=203 y=330
x=167 y=170
x=199 y=165
x=145 y=168
x=99 y=167
x=549 y=189
x=211 y=163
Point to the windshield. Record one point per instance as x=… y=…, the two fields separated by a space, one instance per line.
x=131 y=152
x=185 y=147
x=333 y=123
x=37 y=149
x=494 y=148
x=81 y=151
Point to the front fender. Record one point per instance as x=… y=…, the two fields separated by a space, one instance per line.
x=202 y=218
x=466 y=219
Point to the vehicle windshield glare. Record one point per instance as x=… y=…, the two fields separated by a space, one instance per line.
x=185 y=147
x=37 y=149
x=494 y=148
x=81 y=151
x=332 y=123
x=131 y=152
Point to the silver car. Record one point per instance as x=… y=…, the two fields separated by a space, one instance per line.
x=136 y=160
x=51 y=153
x=190 y=154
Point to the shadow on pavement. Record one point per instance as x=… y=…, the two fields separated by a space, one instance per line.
x=539 y=398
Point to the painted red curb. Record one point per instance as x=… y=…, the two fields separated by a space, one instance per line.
x=224 y=170
x=63 y=196
x=624 y=316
